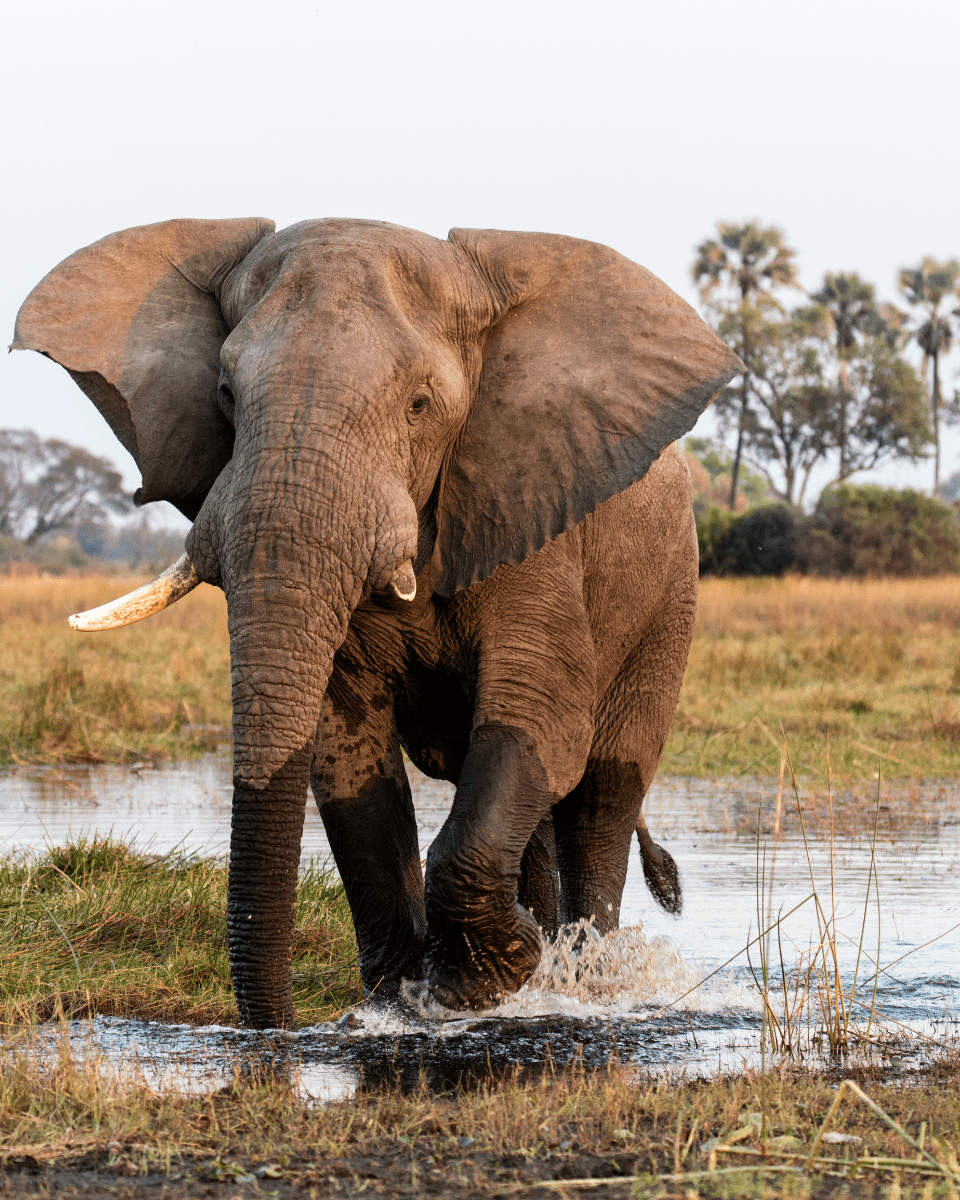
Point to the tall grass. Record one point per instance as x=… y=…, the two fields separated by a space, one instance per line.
x=160 y=687
x=817 y=1010
x=876 y=663
x=97 y=926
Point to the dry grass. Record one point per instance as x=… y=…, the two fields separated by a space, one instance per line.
x=500 y=1139
x=161 y=687
x=876 y=663
x=99 y=927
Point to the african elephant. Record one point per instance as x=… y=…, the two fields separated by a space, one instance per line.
x=431 y=478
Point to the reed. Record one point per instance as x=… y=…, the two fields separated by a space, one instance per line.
x=813 y=1010
x=98 y=926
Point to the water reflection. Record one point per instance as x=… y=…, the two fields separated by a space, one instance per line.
x=566 y=1014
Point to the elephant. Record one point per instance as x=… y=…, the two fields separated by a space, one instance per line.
x=439 y=485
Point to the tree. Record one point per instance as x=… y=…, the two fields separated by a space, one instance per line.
x=877 y=410
x=785 y=430
x=896 y=326
x=21 y=454
x=848 y=303
x=881 y=414
x=927 y=287
x=746 y=261
x=710 y=463
x=76 y=486
x=49 y=485
x=812 y=398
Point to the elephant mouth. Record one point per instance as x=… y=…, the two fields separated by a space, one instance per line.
x=177 y=581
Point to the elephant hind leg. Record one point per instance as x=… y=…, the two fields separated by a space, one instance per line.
x=594 y=826
x=596 y=822
x=659 y=870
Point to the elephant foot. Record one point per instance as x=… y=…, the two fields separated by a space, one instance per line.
x=384 y=983
x=466 y=971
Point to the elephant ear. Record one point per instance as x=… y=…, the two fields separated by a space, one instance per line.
x=135 y=318
x=591 y=366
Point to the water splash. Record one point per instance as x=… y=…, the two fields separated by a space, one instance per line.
x=588 y=974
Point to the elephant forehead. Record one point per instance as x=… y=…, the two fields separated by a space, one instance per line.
x=306 y=329
x=331 y=267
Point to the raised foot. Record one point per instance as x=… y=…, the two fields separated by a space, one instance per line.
x=465 y=972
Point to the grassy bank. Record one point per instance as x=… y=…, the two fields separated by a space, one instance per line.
x=98 y=927
x=157 y=688
x=574 y=1133
x=877 y=663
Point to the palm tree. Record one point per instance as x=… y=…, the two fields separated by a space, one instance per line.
x=749 y=260
x=927 y=287
x=851 y=308
x=895 y=329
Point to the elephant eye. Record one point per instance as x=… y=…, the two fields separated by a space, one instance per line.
x=418 y=406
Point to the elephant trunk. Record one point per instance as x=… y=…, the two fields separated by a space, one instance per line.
x=292 y=580
x=281 y=649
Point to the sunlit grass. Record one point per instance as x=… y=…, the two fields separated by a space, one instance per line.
x=160 y=687
x=876 y=663
x=98 y=926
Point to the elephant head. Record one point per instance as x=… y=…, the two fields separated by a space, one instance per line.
x=346 y=407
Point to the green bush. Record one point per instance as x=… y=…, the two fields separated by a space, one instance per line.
x=854 y=530
x=762 y=541
x=870 y=530
x=713 y=525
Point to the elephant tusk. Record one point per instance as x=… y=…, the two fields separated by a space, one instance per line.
x=166 y=589
x=404 y=582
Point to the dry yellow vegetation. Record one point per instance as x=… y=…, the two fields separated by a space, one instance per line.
x=160 y=687
x=877 y=663
x=68 y=1124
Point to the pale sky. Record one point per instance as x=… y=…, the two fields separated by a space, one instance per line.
x=634 y=124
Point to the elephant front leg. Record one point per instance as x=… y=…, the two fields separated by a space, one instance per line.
x=482 y=944
x=362 y=791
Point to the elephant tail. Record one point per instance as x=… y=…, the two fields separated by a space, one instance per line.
x=659 y=870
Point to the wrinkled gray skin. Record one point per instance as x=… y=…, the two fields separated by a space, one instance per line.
x=332 y=401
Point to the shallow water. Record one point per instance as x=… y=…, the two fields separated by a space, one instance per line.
x=567 y=1012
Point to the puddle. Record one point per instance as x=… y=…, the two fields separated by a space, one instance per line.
x=565 y=1013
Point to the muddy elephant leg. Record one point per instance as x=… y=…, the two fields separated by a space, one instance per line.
x=362 y=791
x=596 y=822
x=539 y=882
x=481 y=944
x=594 y=826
